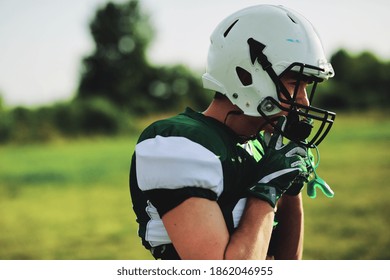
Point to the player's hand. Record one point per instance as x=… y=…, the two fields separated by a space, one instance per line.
x=313 y=181
x=297 y=186
x=279 y=167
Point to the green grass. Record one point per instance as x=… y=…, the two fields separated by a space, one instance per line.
x=355 y=161
x=70 y=199
x=67 y=200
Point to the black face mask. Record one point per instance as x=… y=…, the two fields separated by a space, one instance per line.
x=296 y=129
x=306 y=125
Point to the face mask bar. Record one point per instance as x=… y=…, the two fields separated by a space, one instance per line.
x=300 y=118
x=300 y=121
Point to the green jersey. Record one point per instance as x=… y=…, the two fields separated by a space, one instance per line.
x=189 y=155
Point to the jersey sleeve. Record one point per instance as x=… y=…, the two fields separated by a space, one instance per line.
x=171 y=169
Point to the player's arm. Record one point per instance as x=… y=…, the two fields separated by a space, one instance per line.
x=287 y=238
x=198 y=230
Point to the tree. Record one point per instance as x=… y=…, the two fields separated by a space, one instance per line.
x=362 y=80
x=118 y=65
x=119 y=71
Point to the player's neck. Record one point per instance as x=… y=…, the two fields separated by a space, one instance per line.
x=230 y=115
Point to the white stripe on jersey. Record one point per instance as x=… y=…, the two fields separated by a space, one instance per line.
x=238 y=211
x=156 y=233
x=175 y=162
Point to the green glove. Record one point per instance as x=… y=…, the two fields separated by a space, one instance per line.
x=311 y=178
x=279 y=167
x=303 y=178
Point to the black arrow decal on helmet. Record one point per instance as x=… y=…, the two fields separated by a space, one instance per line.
x=256 y=53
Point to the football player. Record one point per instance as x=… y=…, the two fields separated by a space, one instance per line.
x=226 y=183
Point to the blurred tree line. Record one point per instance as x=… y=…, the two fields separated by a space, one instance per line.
x=361 y=82
x=118 y=84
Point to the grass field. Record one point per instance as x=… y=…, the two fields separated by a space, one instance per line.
x=70 y=199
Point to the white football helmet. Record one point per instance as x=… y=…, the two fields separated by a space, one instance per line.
x=251 y=49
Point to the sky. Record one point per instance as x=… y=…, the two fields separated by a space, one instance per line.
x=42 y=42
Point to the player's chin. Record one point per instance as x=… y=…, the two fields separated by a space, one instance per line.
x=268 y=128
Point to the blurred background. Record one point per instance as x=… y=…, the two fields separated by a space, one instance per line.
x=79 y=80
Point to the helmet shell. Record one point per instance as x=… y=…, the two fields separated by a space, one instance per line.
x=288 y=38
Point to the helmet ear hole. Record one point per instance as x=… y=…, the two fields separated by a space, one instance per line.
x=244 y=76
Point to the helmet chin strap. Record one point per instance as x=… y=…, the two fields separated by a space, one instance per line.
x=243 y=138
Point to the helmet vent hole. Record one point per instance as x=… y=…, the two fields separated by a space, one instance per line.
x=230 y=28
x=244 y=76
x=291 y=18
